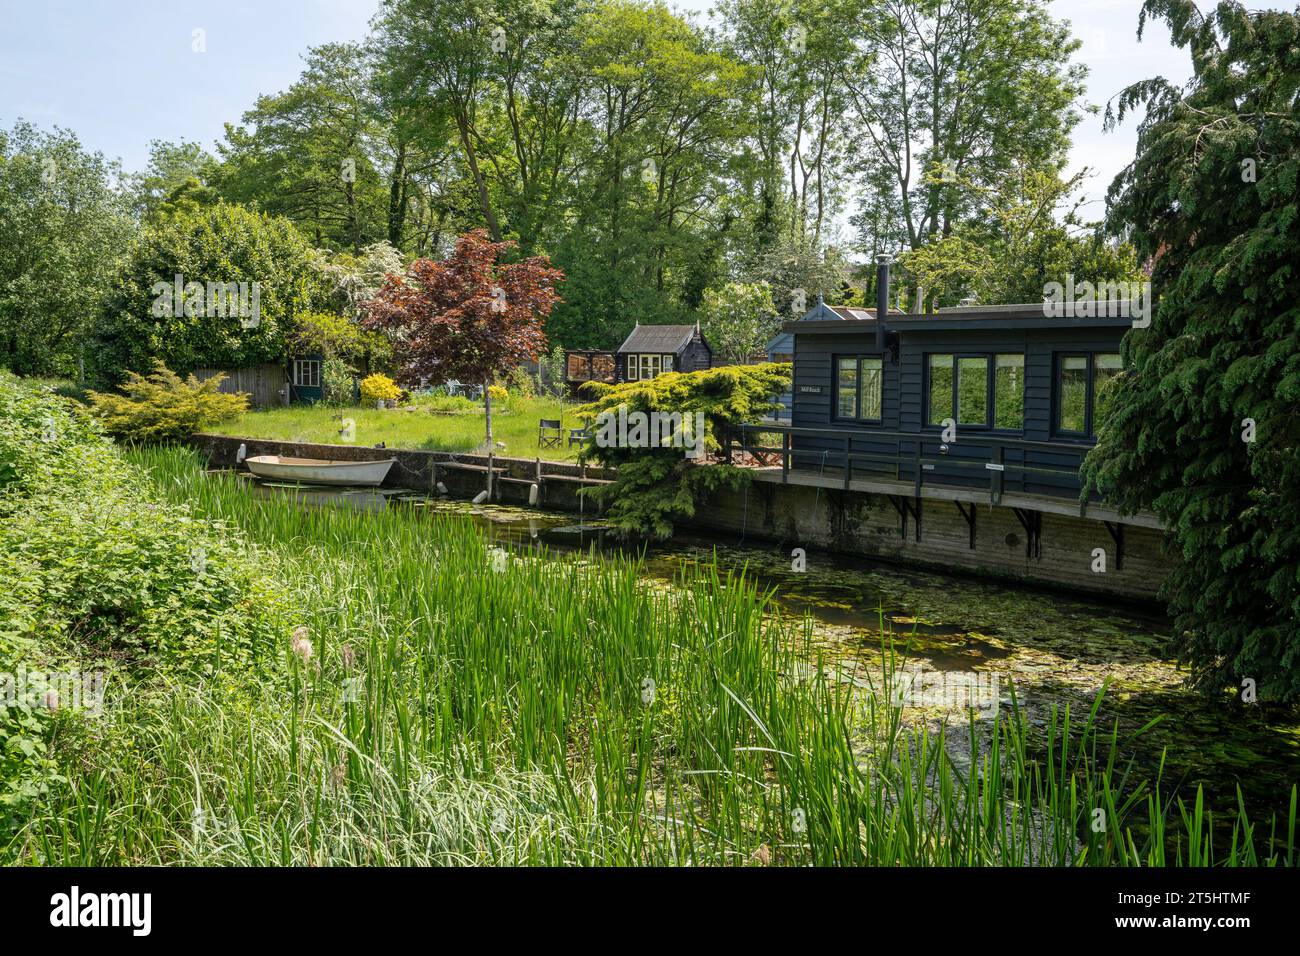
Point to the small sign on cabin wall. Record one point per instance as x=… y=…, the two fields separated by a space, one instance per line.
x=810 y=389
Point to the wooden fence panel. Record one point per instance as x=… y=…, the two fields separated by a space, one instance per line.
x=263 y=383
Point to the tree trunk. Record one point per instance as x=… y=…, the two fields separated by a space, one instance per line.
x=397 y=199
x=354 y=224
x=484 y=201
x=487 y=412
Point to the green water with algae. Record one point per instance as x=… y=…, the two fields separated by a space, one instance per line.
x=1056 y=649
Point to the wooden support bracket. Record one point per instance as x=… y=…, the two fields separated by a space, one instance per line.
x=906 y=507
x=1117 y=535
x=1032 y=522
x=969 y=515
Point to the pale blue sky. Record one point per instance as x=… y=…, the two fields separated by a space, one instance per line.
x=124 y=72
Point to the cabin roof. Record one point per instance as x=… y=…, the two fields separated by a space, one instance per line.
x=658 y=338
x=821 y=312
x=1013 y=316
x=781 y=342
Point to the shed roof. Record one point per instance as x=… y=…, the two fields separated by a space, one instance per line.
x=657 y=338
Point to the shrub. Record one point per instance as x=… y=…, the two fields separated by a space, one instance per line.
x=378 y=388
x=165 y=407
x=521 y=383
x=657 y=486
x=100 y=574
x=498 y=393
x=337 y=382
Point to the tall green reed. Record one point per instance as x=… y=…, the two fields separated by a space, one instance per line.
x=464 y=704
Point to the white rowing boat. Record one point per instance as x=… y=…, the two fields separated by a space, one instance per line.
x=319 y=471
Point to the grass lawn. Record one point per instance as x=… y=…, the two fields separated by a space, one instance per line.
x=442 y=426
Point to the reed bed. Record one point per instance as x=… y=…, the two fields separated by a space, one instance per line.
x=466 y=705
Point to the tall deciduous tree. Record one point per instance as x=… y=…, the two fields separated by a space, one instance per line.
x=64 y=227
x=739 y=319
x=1032 y=234
x=1203 y=426
x=954 y=91
x=468 y=317
x=310 y=153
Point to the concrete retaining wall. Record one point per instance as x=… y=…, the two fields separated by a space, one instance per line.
x=856 y=522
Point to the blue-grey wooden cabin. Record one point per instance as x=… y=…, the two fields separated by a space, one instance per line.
x=781 y=349
x=1022 y=392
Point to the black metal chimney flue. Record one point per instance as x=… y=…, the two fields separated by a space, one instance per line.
x=882 y=299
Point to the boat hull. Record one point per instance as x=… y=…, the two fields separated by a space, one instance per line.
x=319 y=471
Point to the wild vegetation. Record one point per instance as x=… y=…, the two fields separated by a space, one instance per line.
x=401 y=692
x=1204 y=430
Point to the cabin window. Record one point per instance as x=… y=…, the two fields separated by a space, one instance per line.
x=668 y=363
x=940 y=389
x=1081 y=391
x=1104 y=368
x=980 y=391
x=1009 y=392
x=859 y=388
x=306 y=373
x=973 y=391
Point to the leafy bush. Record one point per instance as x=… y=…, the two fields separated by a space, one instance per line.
x=657 y=486
x=498 y=393
x=222 y=243
x=337 y=382
x=49 y=441
x=163 y=407
x=378 y=388
x=101 y=574
x=521 y=383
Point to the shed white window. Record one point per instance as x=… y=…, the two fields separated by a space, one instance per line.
x=643 y=365
x=306 y=373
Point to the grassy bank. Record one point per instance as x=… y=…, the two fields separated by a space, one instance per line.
x=455 y=426
x=339 y=687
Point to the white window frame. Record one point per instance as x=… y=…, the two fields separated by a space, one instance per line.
x=668 y=363
x=312 y=369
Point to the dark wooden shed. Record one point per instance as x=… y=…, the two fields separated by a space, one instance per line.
x=651 y=350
